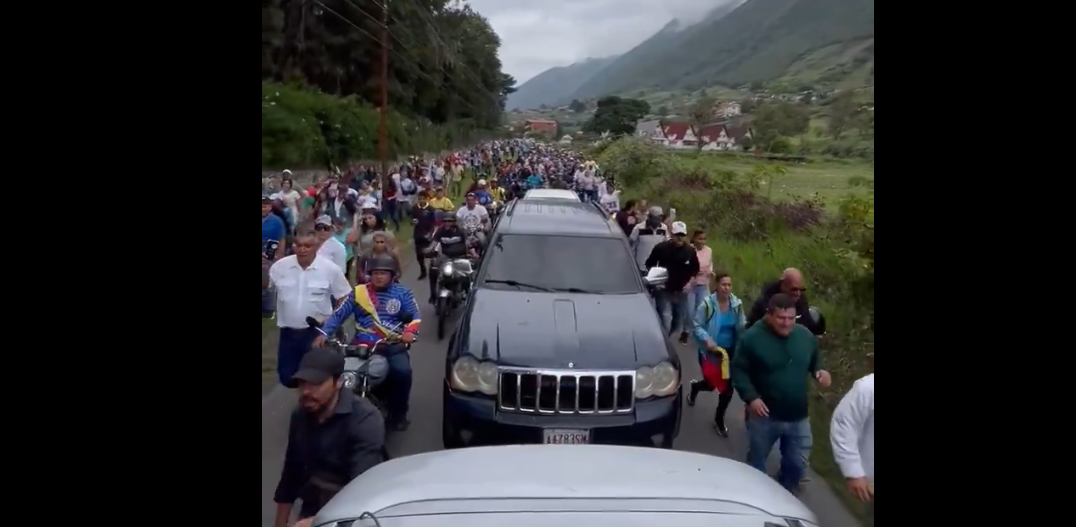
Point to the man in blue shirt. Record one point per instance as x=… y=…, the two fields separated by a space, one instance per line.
x=377 y=307
x=272 y=227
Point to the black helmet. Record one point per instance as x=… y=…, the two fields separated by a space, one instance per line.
x=383 y=262
x=449 y=216
x=818 y=319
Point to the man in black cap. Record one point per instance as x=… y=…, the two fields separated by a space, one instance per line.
x=327 y=415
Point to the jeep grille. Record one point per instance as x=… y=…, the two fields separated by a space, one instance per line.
x=566 y=392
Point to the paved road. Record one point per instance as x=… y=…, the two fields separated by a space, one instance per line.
x=424 y=435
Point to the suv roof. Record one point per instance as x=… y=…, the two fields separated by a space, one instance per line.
x=551 y=193
x=557 y=217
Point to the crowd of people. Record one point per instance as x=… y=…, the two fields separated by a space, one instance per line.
x=347 y=222
x=765 y=353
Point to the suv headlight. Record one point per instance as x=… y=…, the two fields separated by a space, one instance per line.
x=472 y=375
x=659 y=381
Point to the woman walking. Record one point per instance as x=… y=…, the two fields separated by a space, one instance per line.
x=719 y=324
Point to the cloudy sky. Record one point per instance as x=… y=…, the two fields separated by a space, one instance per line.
x=539 y=34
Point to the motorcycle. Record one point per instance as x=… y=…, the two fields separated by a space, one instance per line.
x=364 y=370
x=453 y=283
x=495 y=210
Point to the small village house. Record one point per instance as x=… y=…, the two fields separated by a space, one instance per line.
x=540 y=126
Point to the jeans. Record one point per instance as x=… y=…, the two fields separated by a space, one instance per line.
x=697 y=293
x=763 y=433
x=398 y=400
x=392 y=212
x=294 y=343
x=679 y=318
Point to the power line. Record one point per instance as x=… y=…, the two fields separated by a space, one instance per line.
x=400 y=55
x=437 y=34
x=494 y=98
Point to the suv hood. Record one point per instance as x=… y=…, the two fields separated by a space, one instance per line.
x=549 y=330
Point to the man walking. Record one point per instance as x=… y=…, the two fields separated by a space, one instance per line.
x=770 y=372
x=852 y=435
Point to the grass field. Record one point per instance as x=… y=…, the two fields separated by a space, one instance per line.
x=826 y=179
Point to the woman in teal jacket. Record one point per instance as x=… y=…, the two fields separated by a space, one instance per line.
x=719 y=323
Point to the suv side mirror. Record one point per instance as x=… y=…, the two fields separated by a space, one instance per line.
x=656 y=276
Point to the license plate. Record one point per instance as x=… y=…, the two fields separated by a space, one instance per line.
x=352 y=363
x=566 y=437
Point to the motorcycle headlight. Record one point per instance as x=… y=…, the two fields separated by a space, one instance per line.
x=471 y=375
x=447 y=269
x=349 y=380
x=659 y=381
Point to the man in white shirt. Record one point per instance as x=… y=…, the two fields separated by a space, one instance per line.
x=305 y=283
x=472 y=217
x=852 y=434
x=330 y=248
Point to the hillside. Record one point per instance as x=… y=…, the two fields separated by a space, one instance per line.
x=758 y=41
x=555 y=86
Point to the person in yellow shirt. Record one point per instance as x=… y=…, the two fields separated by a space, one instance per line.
x=441 y=202
x=495 y=191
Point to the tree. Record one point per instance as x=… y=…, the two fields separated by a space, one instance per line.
x=617 y=116
x=449 y=71
x=776 y=120
x=577 y=106
x=842 y=112
x=663 y=110
x=699 y=114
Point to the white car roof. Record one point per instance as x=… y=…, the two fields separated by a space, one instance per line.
x=471 y=479
x=551 y=193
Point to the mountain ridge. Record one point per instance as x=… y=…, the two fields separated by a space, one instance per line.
x=555 y=86
x=739 y=42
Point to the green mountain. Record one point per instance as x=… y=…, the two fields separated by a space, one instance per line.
x=756 y=41
x=554 y=87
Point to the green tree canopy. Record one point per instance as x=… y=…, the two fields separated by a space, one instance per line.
x=443 y=63
x=616 y=115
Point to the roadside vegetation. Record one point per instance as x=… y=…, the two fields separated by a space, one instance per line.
x=304 y=127
x=762 y=217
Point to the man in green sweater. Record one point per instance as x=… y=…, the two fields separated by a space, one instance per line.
x=770 y=372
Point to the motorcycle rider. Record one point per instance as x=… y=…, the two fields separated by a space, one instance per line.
x=449 y=242
x=482 y=194
x=495 y=191
x=473 y=217
x=377 y=307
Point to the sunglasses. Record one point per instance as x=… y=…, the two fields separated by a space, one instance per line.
x=323 y=228
x=799 y=289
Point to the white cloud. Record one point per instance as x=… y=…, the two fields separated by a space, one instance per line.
x=539 y=34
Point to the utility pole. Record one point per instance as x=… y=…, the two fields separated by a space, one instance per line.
x=382 y=125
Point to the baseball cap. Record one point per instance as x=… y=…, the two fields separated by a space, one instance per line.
x=655 y=211
x=318 y=366
x=678 y=227
x=265 y=197
x=324 y=219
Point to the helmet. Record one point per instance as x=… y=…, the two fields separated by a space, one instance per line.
x=287 y=172
x=449 y=216
x=818 y=319
x=481 y=182
x=382 y=262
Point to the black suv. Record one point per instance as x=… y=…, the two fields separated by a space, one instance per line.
x=560 y=342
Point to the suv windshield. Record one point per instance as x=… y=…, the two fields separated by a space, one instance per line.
x=560 y=263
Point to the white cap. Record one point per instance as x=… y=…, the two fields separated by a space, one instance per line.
x=482 y=182
x=678 y=227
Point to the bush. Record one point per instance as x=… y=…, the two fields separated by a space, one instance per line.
x=302 y=127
